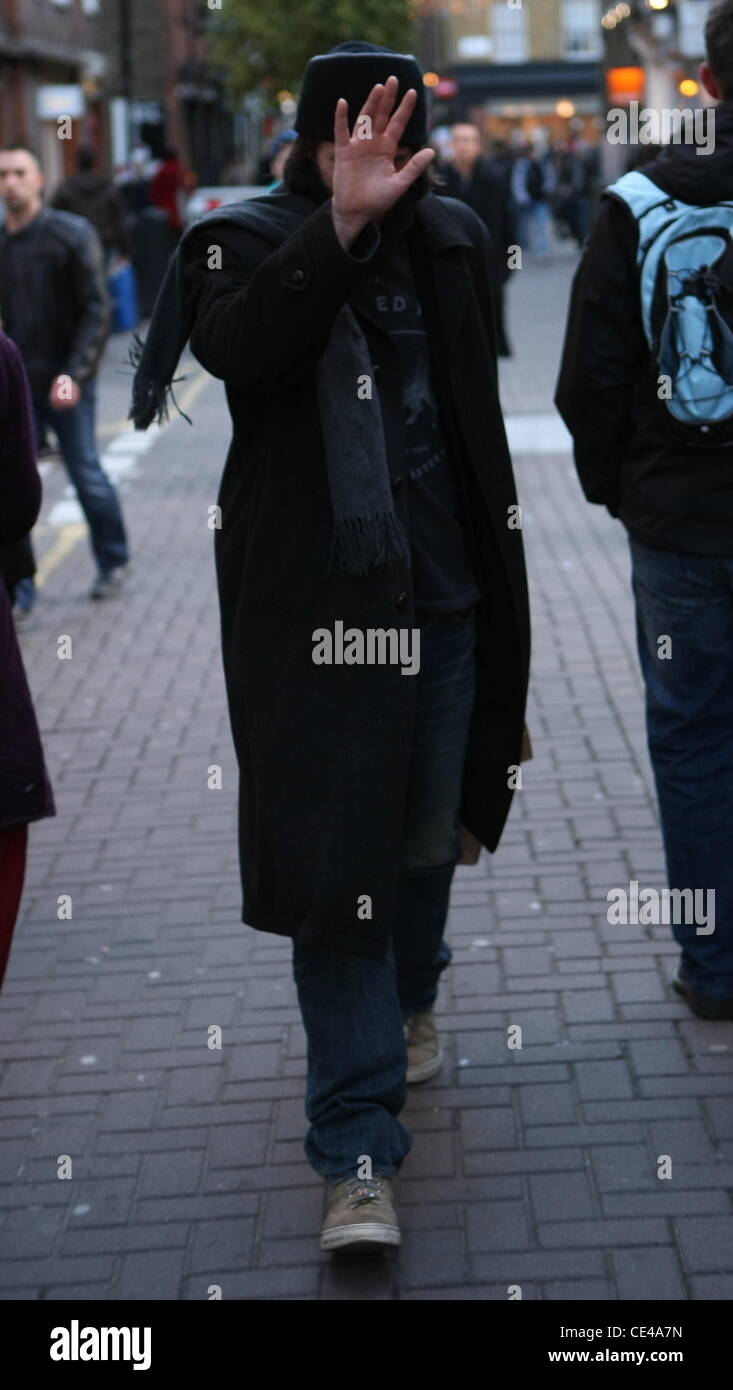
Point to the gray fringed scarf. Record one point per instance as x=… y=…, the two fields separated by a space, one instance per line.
x=367 y=531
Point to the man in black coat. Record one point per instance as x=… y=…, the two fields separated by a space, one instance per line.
x=676 y=502
x=472 y=178
x=367 y=503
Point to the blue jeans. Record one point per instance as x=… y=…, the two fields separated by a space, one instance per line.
x=534 y=224
x=689 y=699
x=98 y=500
x=353 y=1008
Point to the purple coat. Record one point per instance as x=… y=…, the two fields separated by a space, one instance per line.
x=25 y=791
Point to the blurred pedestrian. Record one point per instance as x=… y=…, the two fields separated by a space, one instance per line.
x=533 y=185
x=95 y=197
x=25 y=791
x=645 y=389
x=577 y=175
x=471 y=178
x=369 y=480
x=279 y=151
x=54 y=306
x=169 y=187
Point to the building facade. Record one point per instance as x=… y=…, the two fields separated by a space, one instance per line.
x=515 y=65
x=162 y=88
x=52 y=72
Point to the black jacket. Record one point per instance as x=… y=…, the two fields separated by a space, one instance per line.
x=95 y=197
x=324 y=752
x=53 y=297
x=627 y=454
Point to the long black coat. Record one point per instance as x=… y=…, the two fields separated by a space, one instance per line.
x=324 y=750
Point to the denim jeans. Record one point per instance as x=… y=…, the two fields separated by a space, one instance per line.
x=689 y=699
x=75 y=430
x=353 y=1008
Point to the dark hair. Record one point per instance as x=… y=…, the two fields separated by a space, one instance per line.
x=85 y=158
x=719 y=44
x=302 y=175
x=15 y=145
x=169 y=153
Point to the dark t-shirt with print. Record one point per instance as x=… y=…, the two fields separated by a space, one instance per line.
x=442 y=576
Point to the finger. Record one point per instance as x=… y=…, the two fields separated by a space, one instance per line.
x=416 y=166
x=401 y=116
x=387 y=101
x=371 y=105
x=341 y=123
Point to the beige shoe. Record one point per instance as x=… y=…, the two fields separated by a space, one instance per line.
x=360 y=1215
x=424 y=1053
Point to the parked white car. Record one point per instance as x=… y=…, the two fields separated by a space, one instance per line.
x=206 y=199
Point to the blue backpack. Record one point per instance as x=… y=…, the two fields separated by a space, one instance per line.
x=685 y=261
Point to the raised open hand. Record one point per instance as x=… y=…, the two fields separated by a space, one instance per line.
x=366 y=179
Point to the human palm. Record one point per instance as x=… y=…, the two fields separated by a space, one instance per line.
x=366 y=179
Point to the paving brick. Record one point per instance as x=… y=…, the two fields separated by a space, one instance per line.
x=706 y=1243
x=578 y=1291
x=712 y=1287
x=156 y=1274
x=221 y=1245
x=498 y=1226
x=489 y=1129
x=130 y=1110
x=542 y=1104
x=235 y=1145
x=242 y=1285
x=170 y=1173
x=520 y=1266
x=612 y=1233
x=561 y=1196
x=648 y=1274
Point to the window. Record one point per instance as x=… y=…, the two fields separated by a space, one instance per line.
x=510 y=34
x=582 y=33
x=692 y=17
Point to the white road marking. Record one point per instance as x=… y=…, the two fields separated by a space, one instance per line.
x=537 y=434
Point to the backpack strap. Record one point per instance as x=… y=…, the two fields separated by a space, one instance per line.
x=650 y=206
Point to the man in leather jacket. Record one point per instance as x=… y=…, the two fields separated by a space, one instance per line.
x=54 y=305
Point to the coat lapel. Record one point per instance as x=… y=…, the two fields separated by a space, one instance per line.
x=445 y=240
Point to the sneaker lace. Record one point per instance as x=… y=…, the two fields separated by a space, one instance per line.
x=361 y=1190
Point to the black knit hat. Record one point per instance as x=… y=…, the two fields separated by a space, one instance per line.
x=351 y=70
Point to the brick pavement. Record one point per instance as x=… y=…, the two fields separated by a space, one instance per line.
x=535 y=1166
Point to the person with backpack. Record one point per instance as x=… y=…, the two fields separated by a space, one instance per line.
x=646 y=389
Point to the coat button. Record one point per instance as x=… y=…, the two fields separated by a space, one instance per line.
x=397 y=483
x=401 y=600
x=297 y=277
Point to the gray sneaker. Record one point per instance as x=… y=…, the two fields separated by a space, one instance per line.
x=424 y=1053
x=360 y=1215
x=109 y=583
